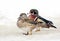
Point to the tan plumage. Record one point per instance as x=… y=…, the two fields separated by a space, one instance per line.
x=24 y=21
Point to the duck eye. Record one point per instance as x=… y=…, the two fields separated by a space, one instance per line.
x=34 y=12
x=31 y=12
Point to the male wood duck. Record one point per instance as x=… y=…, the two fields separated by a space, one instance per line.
x=34 y=13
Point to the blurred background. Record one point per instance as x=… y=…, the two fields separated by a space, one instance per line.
x=11 y=9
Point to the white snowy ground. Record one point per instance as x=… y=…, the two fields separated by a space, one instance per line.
x=10 y=10
x=10 y=32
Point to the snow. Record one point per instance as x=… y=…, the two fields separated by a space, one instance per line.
x=11 y=9
x=12 y=33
